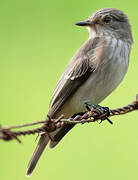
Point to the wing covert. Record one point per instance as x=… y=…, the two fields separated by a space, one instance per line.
x=78 y=70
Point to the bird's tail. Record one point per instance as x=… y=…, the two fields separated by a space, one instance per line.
x=43 y=141
x=60 y=134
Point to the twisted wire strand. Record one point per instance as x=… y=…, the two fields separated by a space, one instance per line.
x=51 y=125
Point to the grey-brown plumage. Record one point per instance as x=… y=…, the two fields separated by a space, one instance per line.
x=92 y=74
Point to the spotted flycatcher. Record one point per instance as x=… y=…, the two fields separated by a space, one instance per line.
x=93 y=73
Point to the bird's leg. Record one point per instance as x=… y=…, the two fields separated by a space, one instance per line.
x=101 y=109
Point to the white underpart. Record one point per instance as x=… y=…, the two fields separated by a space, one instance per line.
x=103 y=80
x=91 y=32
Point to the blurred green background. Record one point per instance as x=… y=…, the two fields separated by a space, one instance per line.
x=37 y=39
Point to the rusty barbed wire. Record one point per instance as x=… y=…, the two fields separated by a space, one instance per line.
x=50 y=125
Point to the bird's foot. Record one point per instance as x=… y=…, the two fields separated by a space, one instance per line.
x=100 y=109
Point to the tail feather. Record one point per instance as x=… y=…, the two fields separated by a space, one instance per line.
x=60 y=134
x=37 y=153
x=43 y=141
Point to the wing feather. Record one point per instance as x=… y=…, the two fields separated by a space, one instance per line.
x=78 y=70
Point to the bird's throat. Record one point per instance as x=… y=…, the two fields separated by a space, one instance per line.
x=91 y=31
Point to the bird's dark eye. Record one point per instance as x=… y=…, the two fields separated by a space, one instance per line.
x=107 y=19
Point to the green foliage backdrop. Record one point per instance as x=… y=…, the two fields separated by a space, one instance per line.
x=37 y=39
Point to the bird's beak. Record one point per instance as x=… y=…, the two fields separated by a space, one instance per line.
x=85 y=23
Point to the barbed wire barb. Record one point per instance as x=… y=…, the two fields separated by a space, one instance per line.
x=50 y=125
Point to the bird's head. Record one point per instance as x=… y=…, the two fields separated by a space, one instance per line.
x=108 y=22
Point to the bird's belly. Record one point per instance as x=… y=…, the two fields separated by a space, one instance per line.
x=99 y=85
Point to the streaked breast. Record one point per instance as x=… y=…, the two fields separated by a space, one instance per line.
x=104 y=80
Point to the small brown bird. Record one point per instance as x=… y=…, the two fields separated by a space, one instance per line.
x=95 y=70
